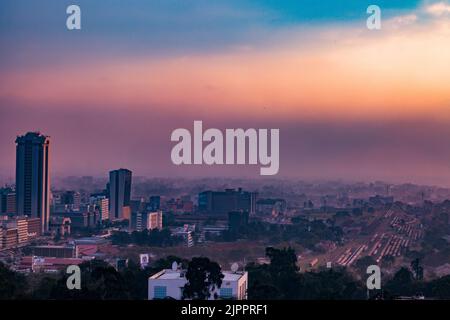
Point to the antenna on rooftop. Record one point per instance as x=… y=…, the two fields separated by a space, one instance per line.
x=234 y=267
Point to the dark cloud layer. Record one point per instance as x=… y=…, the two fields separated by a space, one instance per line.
x=93 y=142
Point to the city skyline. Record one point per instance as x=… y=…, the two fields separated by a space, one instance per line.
x=350 y=103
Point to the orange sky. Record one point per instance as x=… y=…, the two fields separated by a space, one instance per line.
x=348 y=72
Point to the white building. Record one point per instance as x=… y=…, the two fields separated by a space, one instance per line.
x=169 y=284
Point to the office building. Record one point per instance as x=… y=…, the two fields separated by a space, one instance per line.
x=72 y=199
x=237 y=220
x=154 y=203
x=34 y=228
x=7 y=201
x=9 y=238
x=154 y=220
x=33 y=177
x=222 y=202
x=69 y=251
x=119 y=194
x=169 y=283
x=22 y=229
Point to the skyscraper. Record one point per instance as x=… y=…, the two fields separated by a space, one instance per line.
x=33 y=177
x=119 y=194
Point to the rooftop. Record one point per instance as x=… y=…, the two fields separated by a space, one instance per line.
x=168 y=274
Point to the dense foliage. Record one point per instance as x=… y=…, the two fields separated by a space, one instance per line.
x=280 y=279
x=153 y=238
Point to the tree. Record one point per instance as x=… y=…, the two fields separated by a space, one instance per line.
x=281 y=274
x=12 y=284
x=281 y=279
x=99 y=281
x=417 y=269
x=203 y=278
x=402 y=284
x=282 y=261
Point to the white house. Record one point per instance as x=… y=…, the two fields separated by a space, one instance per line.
x=169 y=284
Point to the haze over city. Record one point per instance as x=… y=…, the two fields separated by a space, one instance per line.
x=350 y=103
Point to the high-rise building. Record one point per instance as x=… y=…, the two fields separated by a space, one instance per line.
x=148 y=220
x=34 y=228
x=10 y=238
x=154 y=203
x=33 y=177
x=119 y=194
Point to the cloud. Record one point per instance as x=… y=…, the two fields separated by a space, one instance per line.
x=438 y=8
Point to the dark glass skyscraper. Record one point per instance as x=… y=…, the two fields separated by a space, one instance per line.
x=33 y=177
x=119 y=193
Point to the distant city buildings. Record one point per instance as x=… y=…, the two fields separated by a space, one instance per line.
x=72 y=199
x=222 y=202
x=148 y=220
x=33 y=177
x=155 y=220
x=237 y=220
x=180 y=205
x=102 y=202
x=120 y=194
x=273 y=207
x=18 y=230
x=7 y=201
x=186 y=233
x=154 y=203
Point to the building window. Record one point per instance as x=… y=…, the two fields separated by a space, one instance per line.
x=159 y=292
x=226 y=292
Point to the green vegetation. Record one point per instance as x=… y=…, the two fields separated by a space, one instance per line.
x=203 y=277
x=155 y=237
x=280 y=279
x=301 y=231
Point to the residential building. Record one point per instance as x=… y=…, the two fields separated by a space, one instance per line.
x=169 y=283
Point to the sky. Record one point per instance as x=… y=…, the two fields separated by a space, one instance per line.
x=350 y=103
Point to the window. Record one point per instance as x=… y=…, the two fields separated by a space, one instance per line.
x=226 y=292
x=159 y=292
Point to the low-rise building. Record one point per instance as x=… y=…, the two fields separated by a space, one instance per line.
x=46 y=264
x=55 y=251
x=169 y=283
